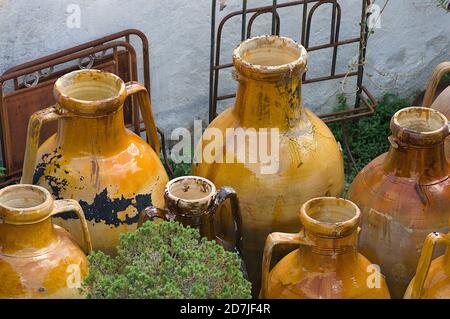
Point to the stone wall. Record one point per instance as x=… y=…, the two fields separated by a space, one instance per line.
x=413 y=36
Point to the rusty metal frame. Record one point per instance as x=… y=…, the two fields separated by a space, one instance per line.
x=87 y=50
x=362 y=94
x=82 y=51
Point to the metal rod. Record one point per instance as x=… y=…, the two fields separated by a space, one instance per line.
x=274 y=14
x=244 y=19
x=211 y=62
x=304 y=18
x=336 y=23
x=330 y=45
x=257 y=14
x=347 y=144
x=362 y=51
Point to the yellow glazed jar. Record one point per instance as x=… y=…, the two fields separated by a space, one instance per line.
x=307 y=159
x=37 y=258
x=432 y=279
x=327 y=264
x=93 y=158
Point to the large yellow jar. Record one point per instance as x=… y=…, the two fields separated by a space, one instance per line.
x=309 y=162
x=93 y=158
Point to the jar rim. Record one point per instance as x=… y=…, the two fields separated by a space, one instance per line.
x=330 y=216
x=25 y=204
x=291 y=56
x=73 y=92
x=192 y=179
x=419 y=126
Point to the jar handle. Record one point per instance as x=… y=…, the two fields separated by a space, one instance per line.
x=425 y=261
x=147 y=114
x=152 y=213
x=440 y=70
x=275 y=239
x=34 y=130
x=219 y=198
x=71 y=205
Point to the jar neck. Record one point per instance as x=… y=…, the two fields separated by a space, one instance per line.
x=328 y=252
x=92 y=135
x=270 y=103
x=17 y=240
x=427 y=164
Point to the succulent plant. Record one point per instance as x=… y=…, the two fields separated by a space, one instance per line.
x=166 y=260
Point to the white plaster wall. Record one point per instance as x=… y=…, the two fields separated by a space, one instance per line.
x=413 y=38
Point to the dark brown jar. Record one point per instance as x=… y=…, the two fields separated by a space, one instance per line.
x=193 y=201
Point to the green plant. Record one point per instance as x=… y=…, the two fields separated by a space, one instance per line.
x=446 y=77
x=166 y=260
x=342 y=103
x=2 y=169
x=181 y=169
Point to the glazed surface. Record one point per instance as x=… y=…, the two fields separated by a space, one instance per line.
x=112 y=180
x=326 y=277
x=49 y=272
x=437 y=283
x=397 y=214
x=311 y=165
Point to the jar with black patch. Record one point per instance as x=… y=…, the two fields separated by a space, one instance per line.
x=93 y=158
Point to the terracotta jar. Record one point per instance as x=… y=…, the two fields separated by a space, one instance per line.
x=37 y=258
x=404 y=194
x=442 y=102
x=305 y=159
x=93 y=158
x=432 y=279
x=327 y=264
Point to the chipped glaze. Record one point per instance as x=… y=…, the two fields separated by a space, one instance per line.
x=93 y=158
x=310 y=161
x=327 y=264
x=404 y=195
x=37 y=258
